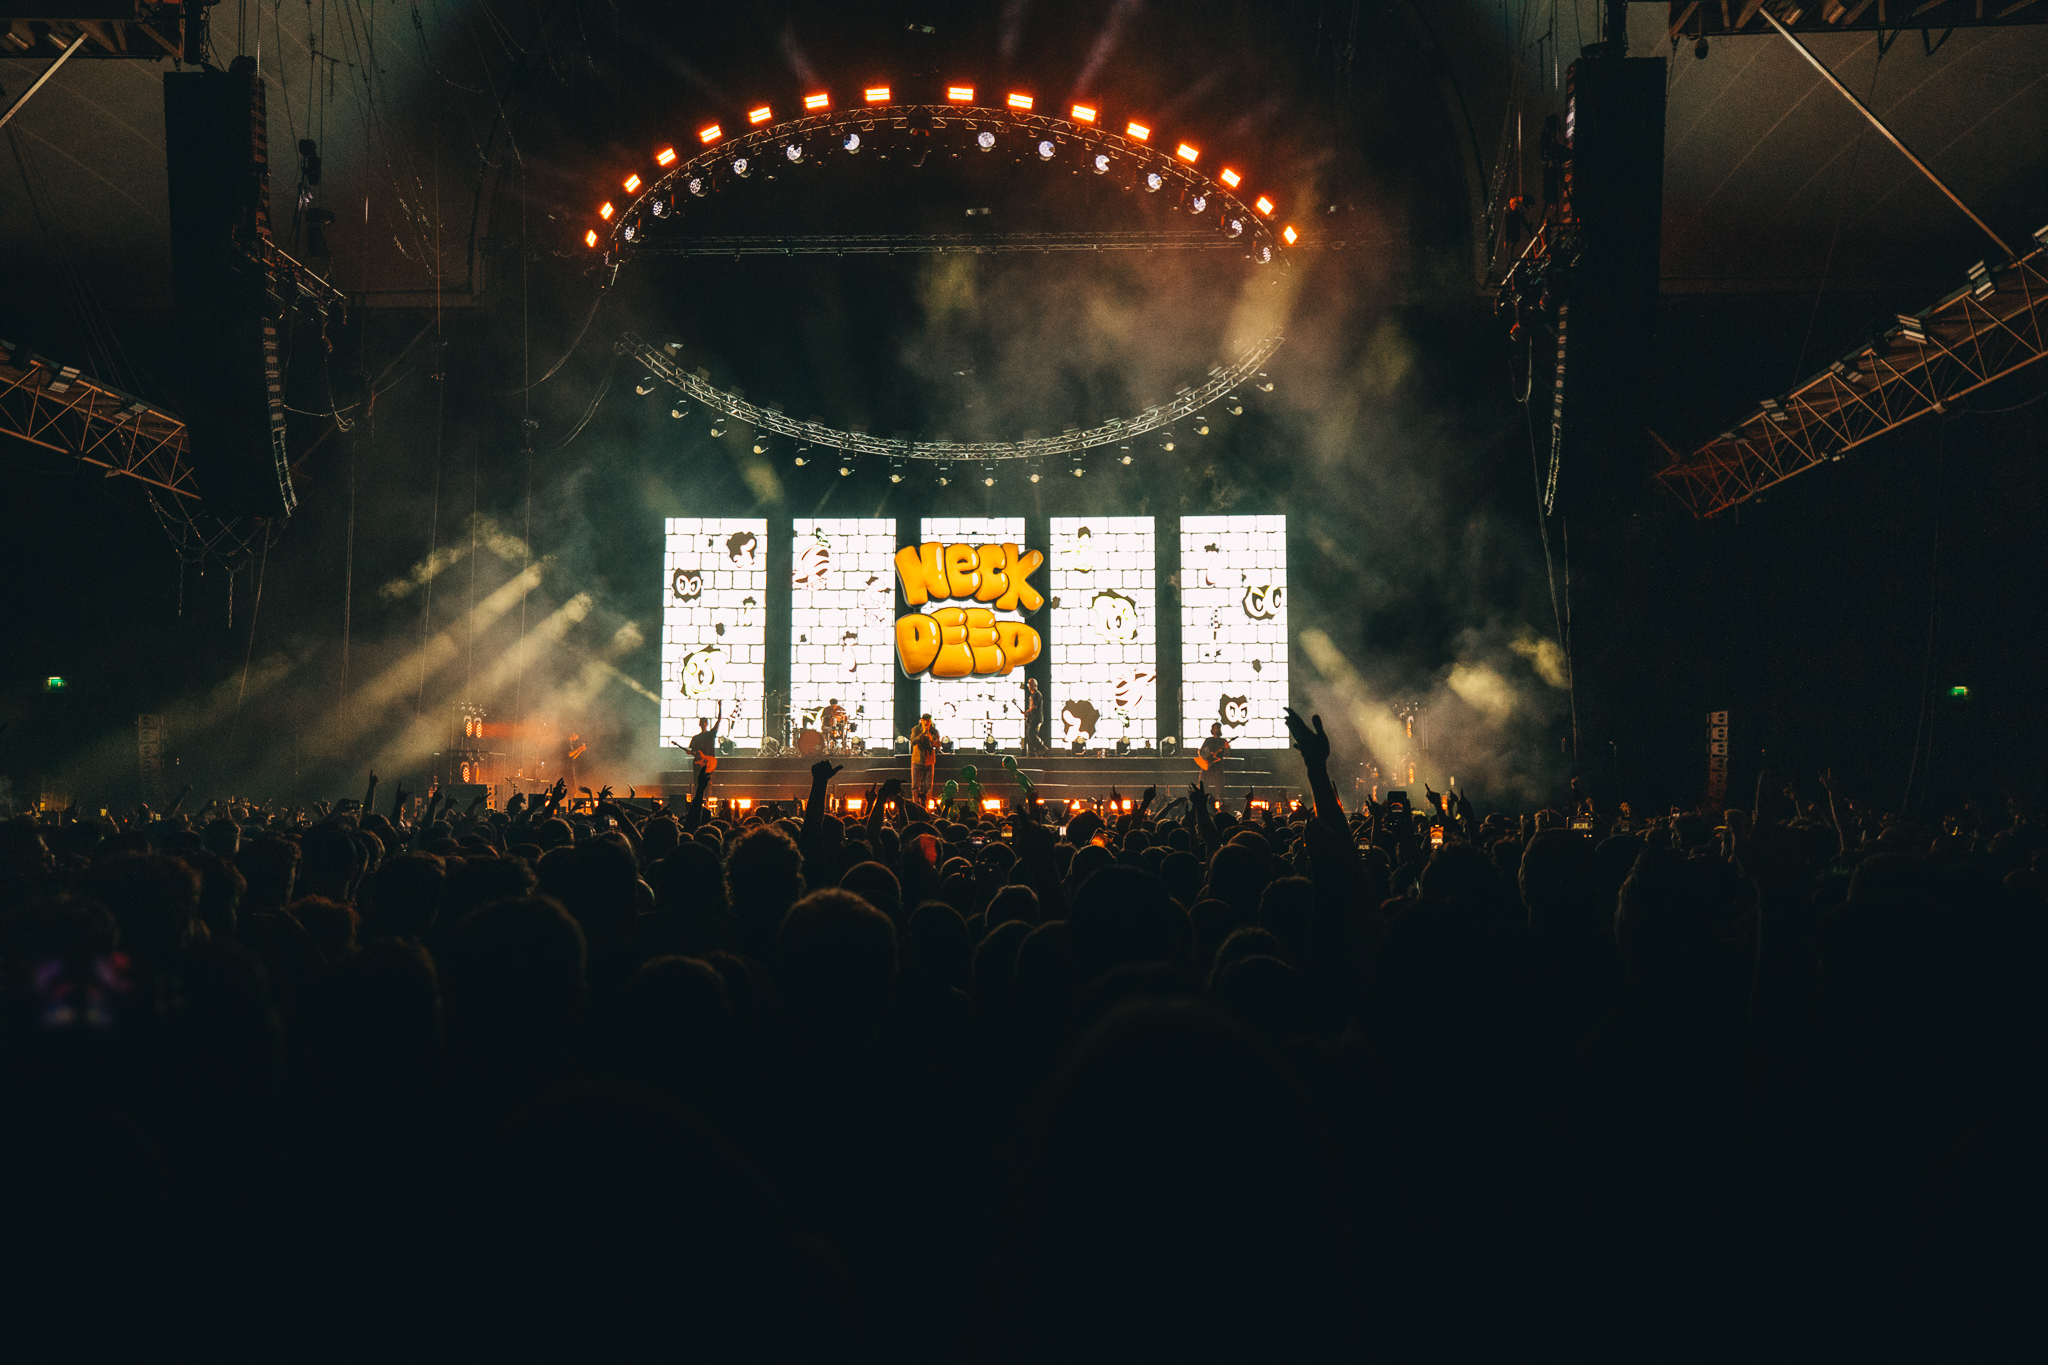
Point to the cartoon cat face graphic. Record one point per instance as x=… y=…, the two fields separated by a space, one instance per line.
x=1234 y=710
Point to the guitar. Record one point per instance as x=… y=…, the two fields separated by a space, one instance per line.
x=708 y=762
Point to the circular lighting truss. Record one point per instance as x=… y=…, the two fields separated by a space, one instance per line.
x=1140 y=156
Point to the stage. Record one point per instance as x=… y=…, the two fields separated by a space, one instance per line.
x=1274 y=773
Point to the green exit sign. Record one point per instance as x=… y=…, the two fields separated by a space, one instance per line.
x=1960 y=693
x=53 y=684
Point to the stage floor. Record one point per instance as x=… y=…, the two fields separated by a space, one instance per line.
x=1064 y=777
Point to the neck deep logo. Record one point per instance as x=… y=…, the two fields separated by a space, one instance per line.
x=969 y=641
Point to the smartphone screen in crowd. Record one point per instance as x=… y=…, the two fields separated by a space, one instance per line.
x=1436 y=836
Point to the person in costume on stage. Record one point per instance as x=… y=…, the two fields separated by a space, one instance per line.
x=924 y=759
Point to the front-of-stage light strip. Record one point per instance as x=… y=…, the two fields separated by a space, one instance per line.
x=725 y=157
x=1221 y=382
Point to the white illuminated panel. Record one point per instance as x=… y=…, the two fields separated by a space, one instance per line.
x=714 y=592
x=1105 y=641
x=1233 y=595
x=842 y=599
x=969 y=710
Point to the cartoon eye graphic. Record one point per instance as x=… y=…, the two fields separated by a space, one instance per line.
x=1263 y=603
x=1234 y=710
x=685 y=584
x=698 y=672
x=1116 y=616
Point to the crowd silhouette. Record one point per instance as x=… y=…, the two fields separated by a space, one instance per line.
x=964 y=1085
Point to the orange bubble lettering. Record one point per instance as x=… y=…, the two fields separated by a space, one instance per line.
x=1017 y=569
x=917 y=643
x=922 y=573
x=954 y=659
x=981 y=640
x=989 y=563
x=961 y=577
x=1019 y=643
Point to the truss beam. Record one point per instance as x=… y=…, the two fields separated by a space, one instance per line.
x=59 y=409
x=1992 y=327
x=1719 y=18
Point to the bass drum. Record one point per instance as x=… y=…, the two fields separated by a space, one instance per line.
x=809 y=742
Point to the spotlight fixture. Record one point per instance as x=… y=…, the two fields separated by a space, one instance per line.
x=665 y=157
x=1236 y=409
x=1154 y=182
x=852 y=143
x=1034 y=478
x=814 y=103
x=1020 y=102
x=1263 y=205
x=630 y=231
x=876 y=94
x=659 y=206
x=1264 y=255
x=989 y=482
x=1198 y=204
x=709 y=135
x=760 y=115
x=1079 y=472
x=846 y=471
x=943 y=480
x=1233 y=227
x=760 y=449
x=590 y=237
x=985 y=140
x=1231 y=179
x=1138 y=132
x=960 y=94
x=1266 y=387
x=1101 y=164
x=676 y=413
x=1127 y=459
x=794 y=151
x=895 y=478
x=740 y=167
x=695 y=185
x=1045 y=150
x=717 y=430
x=605 y=211
x=1163 y=445
x=801 y=462
x=633 y=183
x=1202 y=427
x=1188 y=154
x=645 y=386
x=1289 y=235
x=1082 y=113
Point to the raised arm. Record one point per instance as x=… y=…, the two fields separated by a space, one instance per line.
x=1314 y=745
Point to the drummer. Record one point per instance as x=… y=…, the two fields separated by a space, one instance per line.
x=834 y=720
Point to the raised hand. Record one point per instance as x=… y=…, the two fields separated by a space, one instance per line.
x=891 y=789
x=605 y=795
x=1313 y=743
x=824 y=770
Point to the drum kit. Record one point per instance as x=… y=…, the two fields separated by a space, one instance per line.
x=810 y=735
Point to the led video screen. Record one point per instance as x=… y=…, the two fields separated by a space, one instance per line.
x=714 y=627
x=971 y=709
x=1105 y=623
x=842 y=592
x=1233 y=595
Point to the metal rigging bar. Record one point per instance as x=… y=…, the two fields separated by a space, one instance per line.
x=57 y=408
x=1992 y=326
x=1190 y=400
x=907 y=243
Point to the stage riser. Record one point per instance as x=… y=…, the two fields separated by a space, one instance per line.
x=1278 y=771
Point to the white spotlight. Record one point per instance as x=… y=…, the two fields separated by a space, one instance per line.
x=794 y=151
x=846 y=471
x=1154 y=182
x=1045 y=150
x=801 y=462
x=985 y=140
x=760 y=449
x=717 y=430
x=1233 y=227
x=1198 y=203
x=676 y=413
x=1101 y=164
x=740 y=167
x=852 y=143
x=695 y=185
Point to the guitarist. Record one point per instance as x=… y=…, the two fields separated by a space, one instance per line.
x=572 y=751
x=704 y=745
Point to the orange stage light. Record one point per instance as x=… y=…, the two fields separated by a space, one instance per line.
x=1020 y=102
x=760 y=115
x=960 y=94
x=665 y=157
x=991 y=803
x=853 y=803
x=878 y=94
x=707 y=136
x=590 y=237
x=1187 y=153
x=632 y=183
x=817 y=102
x=1083 y=114
x=1263 y=204
x=1231 y=179
x=1138 y=131
x=1289 y=235
x=607 y=211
